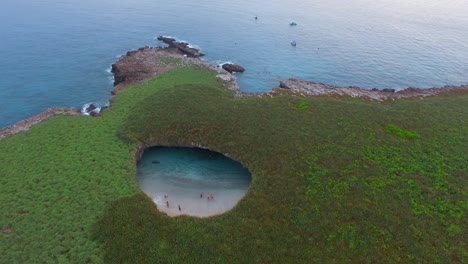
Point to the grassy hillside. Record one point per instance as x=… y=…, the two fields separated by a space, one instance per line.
x=334 y=180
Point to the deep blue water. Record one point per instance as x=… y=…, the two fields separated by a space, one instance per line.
x=56 y=52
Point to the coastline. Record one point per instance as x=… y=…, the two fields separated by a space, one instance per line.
x=136 y=66
x=310 y=88
x=29 y=122
x=144 y=63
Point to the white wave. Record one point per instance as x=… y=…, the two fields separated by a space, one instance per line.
x=85 y=106
x=110 y=76
x=158 y=200
x=220 y=63
x=166 y=36
x=181 y=41
x=194 y=46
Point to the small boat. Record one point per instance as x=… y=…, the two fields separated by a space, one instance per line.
x=293 y=43
x=293 y=24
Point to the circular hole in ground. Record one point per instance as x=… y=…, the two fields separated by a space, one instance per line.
x=202 y=182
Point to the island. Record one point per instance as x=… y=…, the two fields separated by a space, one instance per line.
x=339 y=175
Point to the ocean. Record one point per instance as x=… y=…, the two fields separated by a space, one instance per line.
x=58 y=53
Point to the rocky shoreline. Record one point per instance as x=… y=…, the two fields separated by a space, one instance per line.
x=308 y=88
x=27 y=123
x=136 y=66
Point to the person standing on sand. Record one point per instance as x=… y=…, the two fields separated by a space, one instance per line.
x=167 y=203
x=201 y=195
x=180 y=208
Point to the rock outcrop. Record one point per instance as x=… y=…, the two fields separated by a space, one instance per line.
x=233 y=68
x=319 y=89
x=143 y=63
x=181 y=46
x=141 y=69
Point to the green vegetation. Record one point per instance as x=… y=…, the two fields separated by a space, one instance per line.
x=302 y=105
x=331 y=183
x=392 y=129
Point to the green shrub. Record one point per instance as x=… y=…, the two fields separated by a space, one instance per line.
x=393 y=129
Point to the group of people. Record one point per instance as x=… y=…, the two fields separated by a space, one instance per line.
x=209 y=197
x=167 y=202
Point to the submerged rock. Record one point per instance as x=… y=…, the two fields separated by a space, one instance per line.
x=233 y=67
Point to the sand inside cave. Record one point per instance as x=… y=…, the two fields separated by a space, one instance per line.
x=180 y=175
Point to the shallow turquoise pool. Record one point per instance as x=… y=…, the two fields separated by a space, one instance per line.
x=186 y=177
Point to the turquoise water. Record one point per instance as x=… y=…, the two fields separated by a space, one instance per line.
x=187 y=176
x=59 y=52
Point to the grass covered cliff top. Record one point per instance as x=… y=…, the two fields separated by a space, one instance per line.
x=334 y=180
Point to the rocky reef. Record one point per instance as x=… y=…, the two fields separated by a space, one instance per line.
x=229 y=67
x=181 y=46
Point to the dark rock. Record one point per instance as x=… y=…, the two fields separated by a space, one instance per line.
x=181 y=46
x=233 y=68
x=91 y=108
x=118 y=76
x=412 y=89
x=374 y=89
x=388 y=90
x=283 y=85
